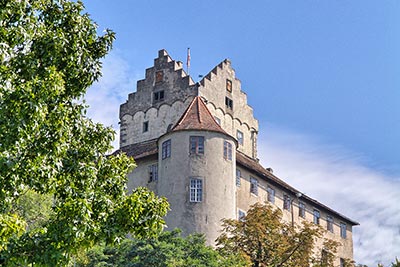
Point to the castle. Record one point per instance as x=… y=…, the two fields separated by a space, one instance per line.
x=196 y=144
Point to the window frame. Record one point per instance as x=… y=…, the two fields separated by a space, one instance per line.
x=195 y=190
x=198 y=142
x=238 y=177
x=240 y=137
x=287 y=202
x=166 y=149
x=228 y=103
x=316 y=216
x=329 y=223
x=153 y=172
x=253 y=186
x=227 y=150
x=343 y=230
x=271 y=194
x=159 y=96
x=302 y=209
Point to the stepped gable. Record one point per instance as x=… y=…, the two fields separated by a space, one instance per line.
x=214 y=71
x=198 y=117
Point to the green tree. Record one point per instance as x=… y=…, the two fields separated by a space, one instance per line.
x=265 y=240
x=50 y=54
x=167 y=250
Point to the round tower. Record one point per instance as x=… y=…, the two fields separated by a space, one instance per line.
x=197 y=163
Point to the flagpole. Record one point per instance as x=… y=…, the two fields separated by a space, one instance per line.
x=188 y=61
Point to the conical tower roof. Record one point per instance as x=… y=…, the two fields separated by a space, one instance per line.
x=198 y=117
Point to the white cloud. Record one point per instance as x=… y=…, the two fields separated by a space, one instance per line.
x=338 y=178
x=105 y=96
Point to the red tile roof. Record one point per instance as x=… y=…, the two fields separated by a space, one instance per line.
x=198 y=117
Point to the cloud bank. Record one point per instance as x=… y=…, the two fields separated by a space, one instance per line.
x=337 y=178
x=105 y=96
x=328 y=173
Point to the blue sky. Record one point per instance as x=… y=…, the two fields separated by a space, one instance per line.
x=323 y=78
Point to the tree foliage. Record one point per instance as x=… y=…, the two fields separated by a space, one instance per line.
x=168 y=250
x=50 y=54
x=265 y=240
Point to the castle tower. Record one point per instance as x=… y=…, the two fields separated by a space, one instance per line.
x=198 y=158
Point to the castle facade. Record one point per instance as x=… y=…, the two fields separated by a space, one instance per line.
x=196 y=144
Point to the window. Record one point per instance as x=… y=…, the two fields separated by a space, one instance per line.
x=196 y=190
x=158 y=96
x=302 y=210
x=197 y=145
x=286 y=202
x=166 y=149
x=159 y=76
x=324 y=257
x=153 y=172
x=342 y=262
x=238 y=177
x=329 y=223
x=254 y=186
x=217 y=120
x=227 y=150
x=316 y=216
x=241 y=215
x=271 y=194
x=343 y=229
x=145 y=126
x=228 y=103
x=239 y=136
x=228 y=85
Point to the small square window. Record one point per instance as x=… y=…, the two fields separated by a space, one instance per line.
x=166 y=149
x=227 y=150
x=317 y=215
x=145 y=126
x=302 y=210
x=159 y=76
x=228 y=85
x=158 y=96
x=343 y=229
x=254 y=186
x=196 y=190
x=228 y=103
x=153 y=172
x=197 y=145
x=329 y=223
x=238 y=177
x=239 y=136
x=287 y=202
x=271 y=194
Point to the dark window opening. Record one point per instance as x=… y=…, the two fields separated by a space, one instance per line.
x=158 y=96
x=145 y=126
x=229 y=103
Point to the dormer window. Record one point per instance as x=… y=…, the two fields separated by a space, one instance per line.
x=158 y=96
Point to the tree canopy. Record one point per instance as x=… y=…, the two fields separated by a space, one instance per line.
x=50 y=53
x=266 y=240
x=167 y=250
